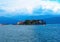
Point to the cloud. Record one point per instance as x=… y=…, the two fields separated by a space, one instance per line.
x=28 y=6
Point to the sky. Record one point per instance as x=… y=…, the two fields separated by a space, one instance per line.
x=29 y=7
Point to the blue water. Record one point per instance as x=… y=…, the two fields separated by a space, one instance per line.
x=30 y=33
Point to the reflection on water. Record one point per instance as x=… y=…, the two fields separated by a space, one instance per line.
x=30 y=33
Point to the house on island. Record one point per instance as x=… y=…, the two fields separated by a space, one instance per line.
x=32 y=22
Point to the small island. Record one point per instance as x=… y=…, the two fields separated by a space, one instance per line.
x=32 y=22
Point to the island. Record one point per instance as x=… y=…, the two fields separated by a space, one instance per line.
x=32 y=22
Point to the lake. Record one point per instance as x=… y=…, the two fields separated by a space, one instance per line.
x=30 y=33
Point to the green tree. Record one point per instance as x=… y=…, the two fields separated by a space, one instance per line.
x=27 y=22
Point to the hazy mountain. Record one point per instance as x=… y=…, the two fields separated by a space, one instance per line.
x=5 y=20
x=13 y=20
x=52 y=20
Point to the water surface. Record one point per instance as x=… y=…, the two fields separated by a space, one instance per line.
x=30 y=33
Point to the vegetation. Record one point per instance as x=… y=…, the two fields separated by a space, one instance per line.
x=32 y=22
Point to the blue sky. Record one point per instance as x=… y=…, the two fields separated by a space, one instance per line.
x=29 y=7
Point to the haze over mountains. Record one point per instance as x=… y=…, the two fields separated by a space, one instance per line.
x=47 y=16
x=49 y=19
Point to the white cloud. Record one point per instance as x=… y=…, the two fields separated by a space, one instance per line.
x=27 y=6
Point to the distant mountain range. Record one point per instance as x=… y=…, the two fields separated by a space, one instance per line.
x=53 y=20
x=13 y=20
x=6 y=20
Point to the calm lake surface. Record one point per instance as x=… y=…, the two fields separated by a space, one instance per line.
x=30 y=33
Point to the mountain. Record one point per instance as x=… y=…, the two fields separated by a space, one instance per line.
x=52 y=20
x=6 y=20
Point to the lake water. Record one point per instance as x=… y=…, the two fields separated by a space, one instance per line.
x=30 y=33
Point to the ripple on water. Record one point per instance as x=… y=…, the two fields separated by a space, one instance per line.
x=30 y=33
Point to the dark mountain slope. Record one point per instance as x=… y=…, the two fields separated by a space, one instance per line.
x=53 y=20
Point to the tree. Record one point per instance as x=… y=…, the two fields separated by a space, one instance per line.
x=27 y=22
